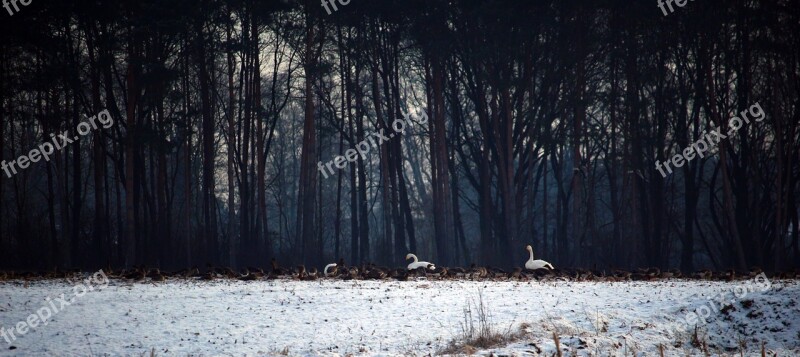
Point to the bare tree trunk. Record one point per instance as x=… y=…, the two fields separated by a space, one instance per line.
x=442 y=201
x=231 y=134
x=307 y=229
x=100 y=233
x=354 y=202
x=729 y=221
x=246 y=83
x=261 y=230
x=209 y=212
x=384 y=252
x=545 y=218
x=3 y=244
x=130 y=144
x=187 y=211
x=579 y=116
x=364 y=243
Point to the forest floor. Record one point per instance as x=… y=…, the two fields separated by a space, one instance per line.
x=327 y=317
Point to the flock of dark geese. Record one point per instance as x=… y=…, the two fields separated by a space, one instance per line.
x=534 y=270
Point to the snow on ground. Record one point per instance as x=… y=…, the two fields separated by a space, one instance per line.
x=233 y=318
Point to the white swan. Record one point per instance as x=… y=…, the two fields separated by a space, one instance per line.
x=417 y=264
x=331 y=265
x=536 y=264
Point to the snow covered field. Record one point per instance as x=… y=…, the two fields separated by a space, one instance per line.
x=233 y=318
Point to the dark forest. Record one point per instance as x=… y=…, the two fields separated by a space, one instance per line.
x=543 y=123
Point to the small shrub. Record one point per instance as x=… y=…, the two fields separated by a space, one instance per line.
x=477 y=331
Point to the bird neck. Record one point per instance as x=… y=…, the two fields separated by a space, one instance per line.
x=414 y=257
x=327 y=267
x=531 y=253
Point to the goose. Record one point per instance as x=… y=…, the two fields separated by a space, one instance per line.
x=312 y=274
x=517 y=274
x=536 y=264
x=229 y=273
x=441 y=272
x=194 y=272
x=155 y=275
x=276 y=269
x=329 y=267
x=136 y=274
x=418 y=264
x=257 y=272
x=303 y=274
x=247 y=275
x=375 y=274
x=400 y=274
x=476 y=272
x=456 y=272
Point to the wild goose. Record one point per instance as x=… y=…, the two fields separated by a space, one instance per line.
x=155 y=275
x=257 y=272
x=276 y=269
x=517 y=274
x=456 y=273
x=476 y=272
x=440 y=272
x=400 y=274
x=375 y=274
x=497 y=273
x=136 y=274
x=249 y=275
x=312 y=274
x=302 y=274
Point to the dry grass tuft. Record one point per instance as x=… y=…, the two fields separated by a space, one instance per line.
x=479 y=332
x=283 y=352
x=558 y=344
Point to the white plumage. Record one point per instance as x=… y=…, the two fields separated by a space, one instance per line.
x=536 y=264
x=331 y=265
x=417 y=264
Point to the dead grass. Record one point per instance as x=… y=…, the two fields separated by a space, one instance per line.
x=479 y=332
x=151 y=354
x=557 y=341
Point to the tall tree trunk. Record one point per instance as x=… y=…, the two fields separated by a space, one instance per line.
x=442 y=202
x=364 y=243
x=306 y=225
x=209 y=199
x=100 y=233
x=579 y=117
x=261 y=229
x=354 y=187
x=729 y=222
x=387 y=205
x=131 y=243
x=231 y=134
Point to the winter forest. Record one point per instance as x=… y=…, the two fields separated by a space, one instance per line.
x=246 y=131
